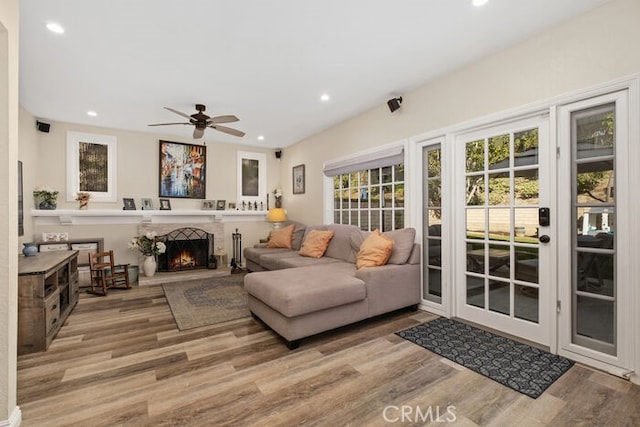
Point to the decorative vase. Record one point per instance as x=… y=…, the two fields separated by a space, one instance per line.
x=83 y=205
x=30 y=249
x=149 y=265
x=278 y=202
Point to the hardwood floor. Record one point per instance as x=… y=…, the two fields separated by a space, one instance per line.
x=120 y=360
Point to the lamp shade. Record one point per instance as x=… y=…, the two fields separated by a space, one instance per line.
x=276 y=215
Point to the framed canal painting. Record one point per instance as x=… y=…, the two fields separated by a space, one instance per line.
x=182 y=170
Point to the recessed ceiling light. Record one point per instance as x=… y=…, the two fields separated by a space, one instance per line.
x=260 y=138
x=92 y=113
x=55 y=28
x=478 y=3
x=325 y=97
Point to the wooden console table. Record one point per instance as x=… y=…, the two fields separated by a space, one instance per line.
x=47 y=292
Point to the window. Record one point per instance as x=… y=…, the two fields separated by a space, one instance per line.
x=370 y=198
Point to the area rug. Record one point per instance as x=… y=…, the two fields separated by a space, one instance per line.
x=521 y=367
x=203 y=302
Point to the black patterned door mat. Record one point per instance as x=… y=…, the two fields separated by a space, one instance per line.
x=521 y=367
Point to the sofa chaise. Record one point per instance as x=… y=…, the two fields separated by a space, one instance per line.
x=298 y=296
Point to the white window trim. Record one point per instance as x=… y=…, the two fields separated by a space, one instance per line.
x=73 y=165
x=262 y=177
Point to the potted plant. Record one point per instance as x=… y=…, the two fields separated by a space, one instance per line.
x=150 y=246
x=45 y=198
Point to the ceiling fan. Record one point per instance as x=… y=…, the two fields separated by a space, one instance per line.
x=201 y=121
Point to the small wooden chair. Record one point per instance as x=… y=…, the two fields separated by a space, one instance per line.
x=105 y=273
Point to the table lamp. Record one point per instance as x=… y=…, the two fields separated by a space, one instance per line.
x=277 y=216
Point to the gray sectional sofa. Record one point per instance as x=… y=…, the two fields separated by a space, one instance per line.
x=299 y=296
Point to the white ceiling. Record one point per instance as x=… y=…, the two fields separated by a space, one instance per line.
x=267 y=62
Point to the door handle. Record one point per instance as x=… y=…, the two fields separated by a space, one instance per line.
x=544 y=238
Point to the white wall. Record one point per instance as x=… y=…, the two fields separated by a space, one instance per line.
x=9 y=413
x=596 y=47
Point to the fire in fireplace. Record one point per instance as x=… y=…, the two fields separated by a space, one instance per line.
x=187 y=249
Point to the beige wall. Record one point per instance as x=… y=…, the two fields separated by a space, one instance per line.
x=9 y=23
x=594 y=48
x=137 y=177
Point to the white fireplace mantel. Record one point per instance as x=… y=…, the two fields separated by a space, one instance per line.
x=115 y=216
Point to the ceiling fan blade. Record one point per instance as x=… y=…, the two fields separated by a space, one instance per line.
x=180 y=113
x=166 y=124
x=198 y=133
x=223 y=119
x=225 y=129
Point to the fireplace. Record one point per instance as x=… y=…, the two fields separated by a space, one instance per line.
x=188 y=248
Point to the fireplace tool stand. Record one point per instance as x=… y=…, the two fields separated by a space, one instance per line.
x=236 y=261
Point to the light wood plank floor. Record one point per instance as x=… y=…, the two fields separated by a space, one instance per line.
x=120 y=360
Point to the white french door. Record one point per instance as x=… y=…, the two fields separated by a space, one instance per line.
x=505 y=246
x=595 y=256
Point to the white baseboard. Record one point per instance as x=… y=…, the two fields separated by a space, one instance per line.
x=14 y=420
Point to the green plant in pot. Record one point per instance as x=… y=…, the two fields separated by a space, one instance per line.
x=45 y=198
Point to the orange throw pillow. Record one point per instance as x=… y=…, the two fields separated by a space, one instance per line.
x=374 y=251
x=281 y=238
x=316 y=243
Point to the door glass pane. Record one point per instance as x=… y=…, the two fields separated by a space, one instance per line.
x=435 y=196
x=595 y=319
x=475 y=156
x=475 y=257
x=499 y=224
x=387 y=196
x=475 y=291
x=345 y=217
x=525 y=187
x=499 y=261
x=499 y=152
x=525 y=147
x=435 y=282
x=475 y=223
x=434 y=220
x=374 y=200
x=525 y=303
x=526 y=264
x=594 y=131
x=594 y=224
x=499 y=297
x=499 y=191
x=434 y=252
x=434 y=165
x=475 y=190
x=525 y=229
x=595 y=182
x=595 y=273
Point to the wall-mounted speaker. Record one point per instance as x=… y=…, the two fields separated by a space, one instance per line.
x=394 y=103
x=42 y=126
x=278 y=154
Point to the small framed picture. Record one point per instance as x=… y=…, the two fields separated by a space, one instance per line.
x=165 y=204
x=147 y=204
x=232 y=206
x=221 y=205
x=298 y=179
x=208 y=205
x=129 y=204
